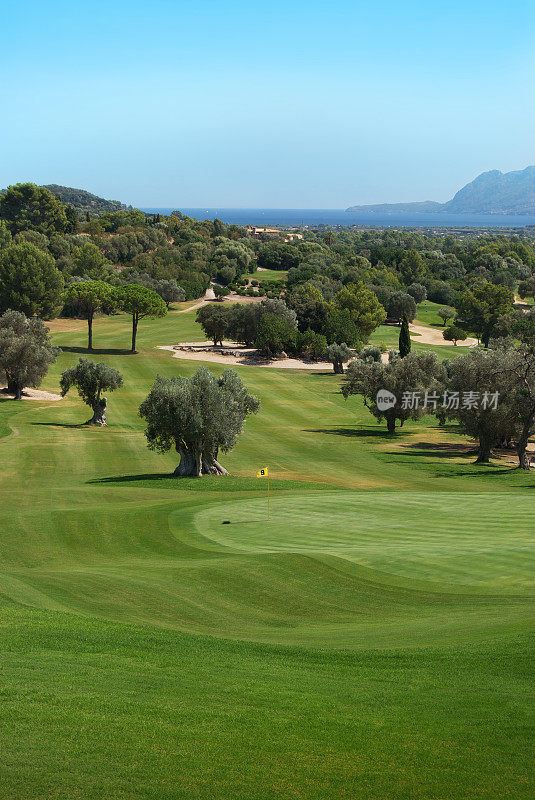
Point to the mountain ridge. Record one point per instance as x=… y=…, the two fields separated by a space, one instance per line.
x=491 y=192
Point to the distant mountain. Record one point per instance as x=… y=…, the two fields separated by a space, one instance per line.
x=491 y=192
x=426 y=206
x=84 y=201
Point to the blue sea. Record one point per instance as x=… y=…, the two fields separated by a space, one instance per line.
x=332 y=216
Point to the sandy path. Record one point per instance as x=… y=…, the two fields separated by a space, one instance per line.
x=32 y=394
x=427 y=335
x=210 y=296
x=220 y=355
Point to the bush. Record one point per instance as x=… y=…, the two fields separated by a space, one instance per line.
x=371 y=353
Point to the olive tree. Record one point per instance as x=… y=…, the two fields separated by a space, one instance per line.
x=401 y=305
x=169 y=291
x=370 y=353
x=91 y=379
x=139 y=301
x=445 y=313
x=481 y=396
x=198 y=417
x=214 y=320
x=418 y=291
x=338 y=354
x=86 y=298
x=522 y=366
x=400 y=382
x=26 y=351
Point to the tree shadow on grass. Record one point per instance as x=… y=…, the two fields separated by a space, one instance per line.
x=491 y=470
x=108 y=351
x=62 y=424
x=150 y=476
x=436 y=450
x=445 y=454
x=353 y=432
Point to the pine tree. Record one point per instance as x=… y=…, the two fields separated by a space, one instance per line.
x=404 y=339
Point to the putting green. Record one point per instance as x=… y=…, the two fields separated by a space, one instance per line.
x=473 y=541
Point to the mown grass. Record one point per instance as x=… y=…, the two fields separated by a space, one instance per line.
x=428 y=314
x=160 y=638
x=268 y=277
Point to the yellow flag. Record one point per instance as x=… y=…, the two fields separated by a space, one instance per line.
x=263 y=473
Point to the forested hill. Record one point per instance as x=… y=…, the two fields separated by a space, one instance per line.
x=85 y=202
x=491 y=192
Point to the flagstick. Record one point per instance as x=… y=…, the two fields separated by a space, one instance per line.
x=268 y=494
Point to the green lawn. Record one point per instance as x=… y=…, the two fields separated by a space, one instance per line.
x=268 y=277
x=427 y=314
x=369 y=641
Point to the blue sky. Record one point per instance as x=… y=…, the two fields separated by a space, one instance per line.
x=285 y=104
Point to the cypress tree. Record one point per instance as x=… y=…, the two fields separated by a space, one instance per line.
x=404 y=338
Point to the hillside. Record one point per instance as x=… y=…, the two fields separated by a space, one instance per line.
x=491 y=192
x=85 y=201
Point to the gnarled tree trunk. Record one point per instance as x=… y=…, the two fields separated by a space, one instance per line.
x=194 y=463
x=338 y=367
x=390 y=422
x=99 y=413
x=484 y=451
x=190 y=463
x=13 y=387
x=211 y=466
x=524 y=461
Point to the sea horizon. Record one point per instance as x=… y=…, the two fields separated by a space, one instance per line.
x=297 y=217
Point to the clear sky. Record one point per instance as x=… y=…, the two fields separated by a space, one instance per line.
x=283 y=104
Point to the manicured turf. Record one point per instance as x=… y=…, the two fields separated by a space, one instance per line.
x=369 y=641
x=428 y=314
x=268 y=277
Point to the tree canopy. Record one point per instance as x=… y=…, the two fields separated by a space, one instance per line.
x=86 y=298
x=402 y=378
x=481 y=307
x=139 y=301
x=365 y=309
x=26 y=206
x=29 y=281
x=338 y=354
x=454 y=334
x=197 y=416
x=404 y=338
x=91 y=379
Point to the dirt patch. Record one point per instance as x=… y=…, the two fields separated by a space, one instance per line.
x=33 y=394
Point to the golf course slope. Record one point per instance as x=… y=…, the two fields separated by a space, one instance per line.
x=160 y=638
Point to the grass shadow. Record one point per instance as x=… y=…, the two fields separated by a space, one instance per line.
x=450 y=452
x=107 y=351
x=150 y=476
x=353 y=432
x=62 y=424
x=490 y=470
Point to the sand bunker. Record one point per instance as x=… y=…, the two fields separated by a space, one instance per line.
x=32 y=394
x=238 y=355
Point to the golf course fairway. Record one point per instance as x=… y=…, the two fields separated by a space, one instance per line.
x=160 y=638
